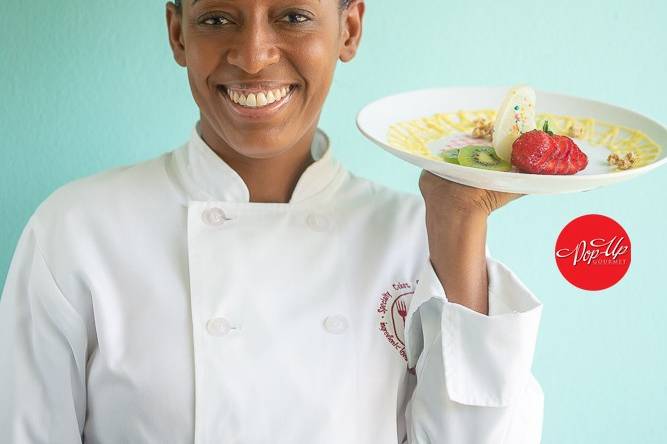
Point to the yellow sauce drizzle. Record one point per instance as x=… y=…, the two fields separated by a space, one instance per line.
x=414 y=136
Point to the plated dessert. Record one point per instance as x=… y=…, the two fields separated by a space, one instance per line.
x=516 y=143
x=515 y=139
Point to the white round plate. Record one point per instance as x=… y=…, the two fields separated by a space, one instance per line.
x=416 y=126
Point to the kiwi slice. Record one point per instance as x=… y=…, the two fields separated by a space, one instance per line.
x=483 y=157
x=450 y=156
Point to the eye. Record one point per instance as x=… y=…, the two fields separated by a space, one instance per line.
x=215 y=20
x=295 y=18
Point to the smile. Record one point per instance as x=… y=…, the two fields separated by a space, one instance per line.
x=259 y=98
x=260 y=102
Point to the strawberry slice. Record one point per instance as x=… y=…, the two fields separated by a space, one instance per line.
x=531 y=149
x=542 y=152
x=576 y=159
x=564 y=165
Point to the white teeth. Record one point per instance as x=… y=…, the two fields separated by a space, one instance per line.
x=260 y=99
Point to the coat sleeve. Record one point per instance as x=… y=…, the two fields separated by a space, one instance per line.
x=43 y=347
x=474 y=379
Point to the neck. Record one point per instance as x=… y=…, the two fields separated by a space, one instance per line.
x=269 y=180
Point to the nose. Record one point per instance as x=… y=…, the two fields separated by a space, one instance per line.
x=255 y=48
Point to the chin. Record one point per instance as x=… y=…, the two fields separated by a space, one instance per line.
x=262 y=146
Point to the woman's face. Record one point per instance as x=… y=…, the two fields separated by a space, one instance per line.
x=260 y=70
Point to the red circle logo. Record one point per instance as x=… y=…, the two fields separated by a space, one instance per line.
x=593 y=252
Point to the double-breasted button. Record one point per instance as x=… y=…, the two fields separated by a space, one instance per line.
x=335 y=324
x=318 y=222
x=218 y=326
x=214 y=216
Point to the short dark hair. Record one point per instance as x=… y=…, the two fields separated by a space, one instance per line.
x=343 y=3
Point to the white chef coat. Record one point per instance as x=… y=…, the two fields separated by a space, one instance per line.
x=154 y=303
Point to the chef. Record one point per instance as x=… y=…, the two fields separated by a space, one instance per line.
x=245 y=288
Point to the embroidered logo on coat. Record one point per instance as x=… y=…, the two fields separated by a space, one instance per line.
x=393 y=310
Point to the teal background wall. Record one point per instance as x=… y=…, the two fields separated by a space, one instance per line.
x=90 y=85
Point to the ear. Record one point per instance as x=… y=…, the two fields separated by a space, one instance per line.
x=175 y=29
x=351 y=25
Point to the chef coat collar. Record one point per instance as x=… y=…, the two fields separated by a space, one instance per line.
x=208 y=177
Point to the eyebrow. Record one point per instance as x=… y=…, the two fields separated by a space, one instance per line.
x=195 y=1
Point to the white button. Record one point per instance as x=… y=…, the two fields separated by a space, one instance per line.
x=318 y=222
x=214 y=216
x=218 y=326
x=336 y=324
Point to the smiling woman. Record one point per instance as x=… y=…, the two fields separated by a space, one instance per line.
x=246 y=288
x=260 y=72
